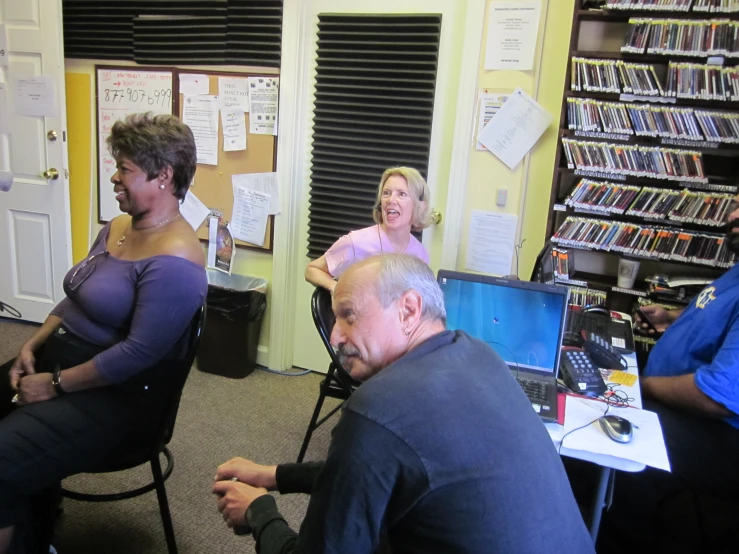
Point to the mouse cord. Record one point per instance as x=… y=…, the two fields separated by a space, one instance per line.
x=559 y=449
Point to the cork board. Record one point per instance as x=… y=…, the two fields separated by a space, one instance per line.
x=213 y=183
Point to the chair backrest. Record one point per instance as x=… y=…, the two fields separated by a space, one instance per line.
x=323 y=317
x=181 y=371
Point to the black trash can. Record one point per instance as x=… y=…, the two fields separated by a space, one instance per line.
x=236 y=306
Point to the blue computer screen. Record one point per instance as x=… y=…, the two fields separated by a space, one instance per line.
x=521 y=325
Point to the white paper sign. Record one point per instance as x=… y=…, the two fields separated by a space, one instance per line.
x=212 y=235
x=200 y=113
x=119 y=93
x=489 y=104
x=191 y=84
x=263 y=99
x=261 y=182
x=234 y=92
x=36 y=96
x=249 y=218
x=3 y=45
x=512 y=31
x=4 y=119
x=193 y=210
x=234 y=129
x=514 y=130
x=491 y=242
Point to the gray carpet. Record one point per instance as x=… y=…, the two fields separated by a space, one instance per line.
x=262 y=417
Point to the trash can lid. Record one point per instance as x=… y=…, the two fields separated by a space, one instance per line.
x=236 y=282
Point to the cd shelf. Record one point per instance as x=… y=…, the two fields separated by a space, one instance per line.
x=648 y=142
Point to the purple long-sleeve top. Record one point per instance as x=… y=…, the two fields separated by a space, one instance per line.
x=140 y=310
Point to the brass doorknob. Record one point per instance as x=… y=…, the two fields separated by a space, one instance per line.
x=435 y=216
x=51 y=174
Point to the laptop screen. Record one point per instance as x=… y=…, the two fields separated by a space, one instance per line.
x=522 y=321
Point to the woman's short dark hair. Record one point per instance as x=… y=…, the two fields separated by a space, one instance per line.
x=154 y=143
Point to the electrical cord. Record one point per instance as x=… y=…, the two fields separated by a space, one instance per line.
x=515 y=361
x=559 y=449
x=284 y=373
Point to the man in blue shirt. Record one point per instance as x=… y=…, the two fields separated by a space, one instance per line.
x=692 y=381
x=438 y=451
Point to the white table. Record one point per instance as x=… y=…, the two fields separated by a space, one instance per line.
x=607 y=464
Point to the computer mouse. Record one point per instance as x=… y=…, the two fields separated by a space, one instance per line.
x=616 y=427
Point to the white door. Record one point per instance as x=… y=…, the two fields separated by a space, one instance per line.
x=35 y=236
x=308 y=351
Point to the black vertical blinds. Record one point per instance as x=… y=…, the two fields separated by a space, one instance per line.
x=212 y=32
x=374 y=102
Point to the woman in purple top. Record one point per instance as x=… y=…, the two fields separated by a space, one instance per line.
x=122 y=325
x=401 y=207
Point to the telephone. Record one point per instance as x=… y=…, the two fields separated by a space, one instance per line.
x=580 y=373
x=602 y=353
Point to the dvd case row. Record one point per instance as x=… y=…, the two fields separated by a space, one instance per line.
x=686 y=206
x=582 y=296
x=635 y=160
x=614 y=76
x=646 y=120
x=711 y=6
x=702 y=82
x=645 y=241
x=684 y=37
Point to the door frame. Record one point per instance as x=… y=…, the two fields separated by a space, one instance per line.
x=292 y=146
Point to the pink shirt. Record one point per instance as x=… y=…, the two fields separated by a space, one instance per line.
x=363 y=243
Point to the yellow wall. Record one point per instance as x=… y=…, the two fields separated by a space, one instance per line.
x=528 y=190
x=79 y=141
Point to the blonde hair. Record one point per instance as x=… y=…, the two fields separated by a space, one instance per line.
x=418 y=190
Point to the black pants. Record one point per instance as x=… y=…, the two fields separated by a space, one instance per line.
x=42 y=443
x=663 y=511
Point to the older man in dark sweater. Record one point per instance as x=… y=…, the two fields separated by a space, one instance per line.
x=438 y=451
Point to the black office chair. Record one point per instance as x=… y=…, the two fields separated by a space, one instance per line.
x=158 y=445
x=337 y=383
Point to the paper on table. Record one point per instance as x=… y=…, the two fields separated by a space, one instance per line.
x=250 y=212
x=212 y=234
x=3 y=45
x=515 y=128
x=4 y=119
x=201 y=115
x=647 y=445
x=263 y=98
x=489 y=104
x=512 y=31
x=192 y=84
x=193 y=210
x=234 y=129
x=36 y=96
x=233 y=92
x=490 y=242
x=262 y=182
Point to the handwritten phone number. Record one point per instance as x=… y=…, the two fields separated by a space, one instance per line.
x=160 y=97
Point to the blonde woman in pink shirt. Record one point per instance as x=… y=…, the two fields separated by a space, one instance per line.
x=401 y=207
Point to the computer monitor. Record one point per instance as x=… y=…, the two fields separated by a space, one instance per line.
x=522 y=321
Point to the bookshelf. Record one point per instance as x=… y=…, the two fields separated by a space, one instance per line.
x=648 y=146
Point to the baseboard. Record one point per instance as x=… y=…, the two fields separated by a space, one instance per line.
x=263 y=355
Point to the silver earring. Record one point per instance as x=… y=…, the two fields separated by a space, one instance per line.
x=161 y=187
x=407 y=332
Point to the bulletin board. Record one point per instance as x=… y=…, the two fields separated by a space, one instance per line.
x=213 y=182
x=120 y=91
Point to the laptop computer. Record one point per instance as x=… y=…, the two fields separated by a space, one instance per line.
x=522 y=321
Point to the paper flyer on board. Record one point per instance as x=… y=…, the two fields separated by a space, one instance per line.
x=263 y=105
x=200 y=113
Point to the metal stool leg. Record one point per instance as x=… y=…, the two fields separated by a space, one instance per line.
x=156 y=470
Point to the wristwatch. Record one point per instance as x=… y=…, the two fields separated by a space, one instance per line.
x=56 y=381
